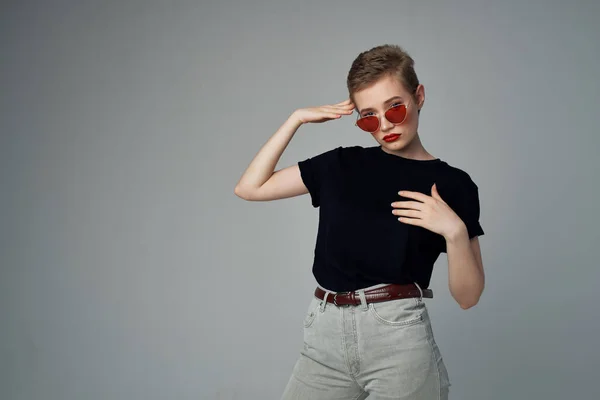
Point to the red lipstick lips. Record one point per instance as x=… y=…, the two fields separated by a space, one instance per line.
x=391 y=138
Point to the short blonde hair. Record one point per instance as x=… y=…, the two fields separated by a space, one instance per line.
x=371 y=65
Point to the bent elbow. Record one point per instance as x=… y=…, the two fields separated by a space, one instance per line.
x=467 y=305
x=239 y=192
x=242 y=193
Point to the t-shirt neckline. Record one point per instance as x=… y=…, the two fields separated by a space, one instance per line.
x=410 y=160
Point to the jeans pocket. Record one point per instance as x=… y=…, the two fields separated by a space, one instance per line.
x=400 y=312
x=311 y=313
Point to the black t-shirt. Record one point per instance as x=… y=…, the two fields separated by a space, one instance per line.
x=360 y=242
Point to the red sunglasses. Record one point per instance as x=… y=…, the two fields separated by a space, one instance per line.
x=395 y=114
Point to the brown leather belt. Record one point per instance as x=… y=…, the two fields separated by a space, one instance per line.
x=384 y=293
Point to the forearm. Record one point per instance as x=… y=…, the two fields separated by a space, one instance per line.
x=263 y=165
x=466 y=279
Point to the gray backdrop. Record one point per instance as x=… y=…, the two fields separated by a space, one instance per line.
x=130 y=270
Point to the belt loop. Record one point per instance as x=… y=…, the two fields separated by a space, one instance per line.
x=420 y=290
x=363 y=299
x=324 y=301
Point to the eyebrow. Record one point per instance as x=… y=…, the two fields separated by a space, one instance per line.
x=385 y=102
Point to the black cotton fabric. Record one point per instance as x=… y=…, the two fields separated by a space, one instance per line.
x=360 y=242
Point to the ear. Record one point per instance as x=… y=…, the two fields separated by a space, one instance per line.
x=420 y=95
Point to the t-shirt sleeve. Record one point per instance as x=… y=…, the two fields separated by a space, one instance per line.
x=316 y=171
x=465 y=204
x=469 y=209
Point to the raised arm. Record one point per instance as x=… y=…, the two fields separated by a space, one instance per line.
x=260 y=182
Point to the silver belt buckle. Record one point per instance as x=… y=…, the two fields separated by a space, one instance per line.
x=335 y=299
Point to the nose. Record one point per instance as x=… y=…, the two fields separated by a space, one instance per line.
x=385 y=124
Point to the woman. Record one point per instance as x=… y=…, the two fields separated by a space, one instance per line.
x=386 y=213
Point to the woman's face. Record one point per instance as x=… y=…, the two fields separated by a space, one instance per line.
x=377 y=98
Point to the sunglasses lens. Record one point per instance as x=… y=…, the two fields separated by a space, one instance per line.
x=369 y=124
x=396 y=114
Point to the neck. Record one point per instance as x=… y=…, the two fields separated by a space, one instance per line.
x=413 y=150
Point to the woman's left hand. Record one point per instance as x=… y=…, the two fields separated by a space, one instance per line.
x=430 y=212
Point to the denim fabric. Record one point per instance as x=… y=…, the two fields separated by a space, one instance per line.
x=377 y=351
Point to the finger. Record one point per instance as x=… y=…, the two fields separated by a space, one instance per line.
x=408 y=204
x=332 y=115
x=345 y=106
x=345 y=103
x=407 y=213
x=342 y=105
x=342 y=109
x=415 y=195
x=349 y=109
x=411 y=221
x=336 y=110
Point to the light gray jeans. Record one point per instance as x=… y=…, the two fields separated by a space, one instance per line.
x=381 y=350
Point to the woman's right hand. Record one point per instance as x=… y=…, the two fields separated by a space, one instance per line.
x=323 y=113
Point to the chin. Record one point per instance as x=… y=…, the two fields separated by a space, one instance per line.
x=396 y=144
